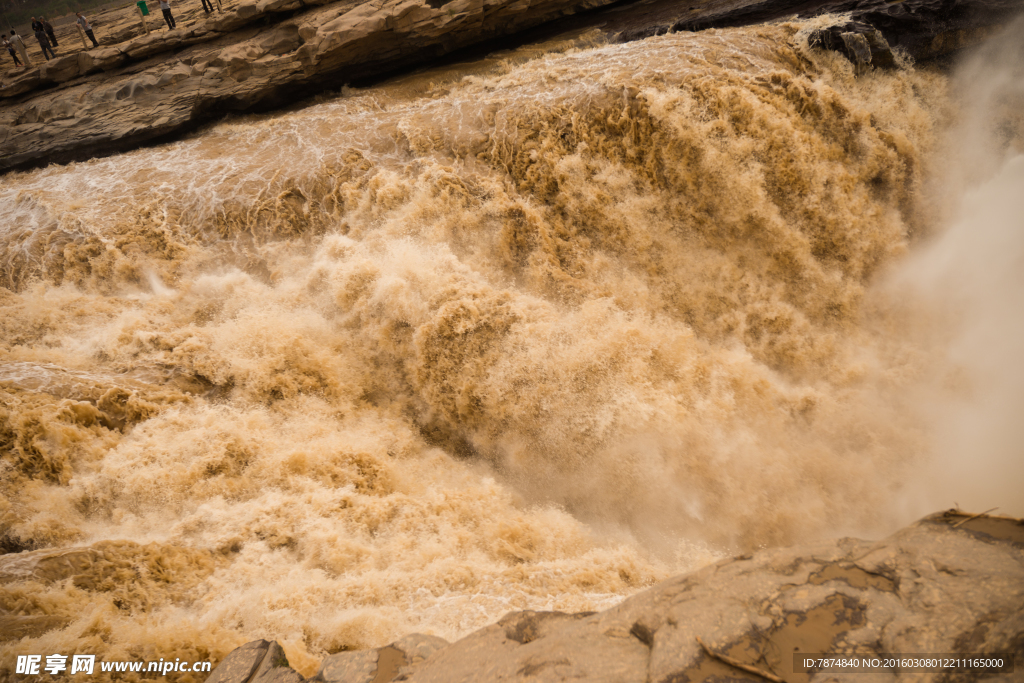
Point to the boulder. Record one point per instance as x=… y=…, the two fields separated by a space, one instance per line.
x=348 y=667
x=861 y=43
x=259 y=661
x=59 y=69
x=950 y=584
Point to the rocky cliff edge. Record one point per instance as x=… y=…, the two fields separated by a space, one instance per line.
x=259 y=55
x=951 y=584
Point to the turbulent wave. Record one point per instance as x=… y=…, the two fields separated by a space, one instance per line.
x=536 y=333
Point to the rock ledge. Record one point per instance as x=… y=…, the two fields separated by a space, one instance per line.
x=949 y=584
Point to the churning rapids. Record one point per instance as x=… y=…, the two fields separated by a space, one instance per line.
x=532 y=332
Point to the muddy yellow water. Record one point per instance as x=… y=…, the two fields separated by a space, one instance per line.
x=532 y=333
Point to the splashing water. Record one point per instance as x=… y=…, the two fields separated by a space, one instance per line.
x=533 y=333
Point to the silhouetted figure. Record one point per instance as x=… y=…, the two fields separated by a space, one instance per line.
x=165 y=6
x=44 y=42
x=48 y=27
x=208 y=6
x=10 y=48
x=87 y=27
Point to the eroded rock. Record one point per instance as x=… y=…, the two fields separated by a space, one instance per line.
x=100 y=59
x=948 y=584
x=259 y=661
x=59 y=69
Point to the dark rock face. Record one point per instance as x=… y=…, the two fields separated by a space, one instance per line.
x=927 y=29
x=949 y=584
x=919 y=29
x=923 y=29
x=912 y=24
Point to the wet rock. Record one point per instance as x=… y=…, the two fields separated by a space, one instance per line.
x=927 y=29
x=861 y=43
x=947 y=584
x=910 y=23
x=259 y=661
x=921 y=29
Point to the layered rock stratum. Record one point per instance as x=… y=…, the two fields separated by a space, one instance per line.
x=139 y=88
x=951 y=584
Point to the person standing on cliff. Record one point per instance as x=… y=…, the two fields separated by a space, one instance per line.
x=208 y=6
x=43 y=40
x=19 y=45
x=10 y=48
x=87 y=27
x=165 y=6
x=48 y=27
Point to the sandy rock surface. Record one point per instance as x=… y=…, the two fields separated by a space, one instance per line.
x=949 y=584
